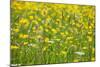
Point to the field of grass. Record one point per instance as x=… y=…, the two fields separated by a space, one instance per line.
x=47 y=33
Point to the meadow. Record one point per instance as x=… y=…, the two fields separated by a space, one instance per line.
x=50 y=33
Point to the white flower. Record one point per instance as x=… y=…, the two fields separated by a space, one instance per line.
x=80 y=53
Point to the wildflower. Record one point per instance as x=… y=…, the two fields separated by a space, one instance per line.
x=69 y=38
x=84 y=48
x=23 y=21
x=16 y=30
x=46 y=30
x=25 y=43
x=89 y=38
x=54 y=30
x=23 y=36
x=44 y=12
x=90 y=27
x=40 y=27
x=36 y=22
x=93 y=50
x=92 y=59
x=39 y=19
x=46 y=39
x=66 y=33
x=62 y=34
x=80 y=53
x=14 y=47
x=31 y=17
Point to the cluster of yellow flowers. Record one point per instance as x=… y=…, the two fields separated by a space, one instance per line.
x=53 y=24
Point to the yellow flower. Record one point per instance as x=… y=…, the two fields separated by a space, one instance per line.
x=23 y=36
x=93 y=50
x=66 y=33
x=23 y=21
x=44 y=12
x=40 y=27
x=84 y=48
x=25 y=43
x=62 y=33
x=77 y=24
x=86 y=26
x=31 y=17
x=54 y=30
x=69 y=38
x=46 y=30
x=16 y=30
x=14 y=47
x=36 y=22
x=90 y=27
x=89 y=38
x=92 y=59
x=46 y=39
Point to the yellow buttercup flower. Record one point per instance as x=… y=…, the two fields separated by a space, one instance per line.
x=14 y=47
x=16 y=30
x=23 y=36
x=40 y=27
x=54 y=30
x=90 y=27
x=31 y=17
x=23 y=21
x=25 y=43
